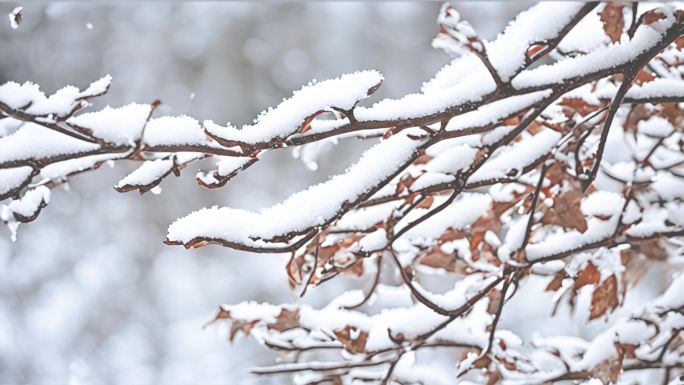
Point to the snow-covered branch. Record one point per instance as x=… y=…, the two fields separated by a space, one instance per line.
x=539 y=155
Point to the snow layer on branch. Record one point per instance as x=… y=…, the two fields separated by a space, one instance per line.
x=17 y=95
x=367 y=217
x=9 y=125
x=516 y=157
x=421 y=374
x=458 y=215
x=30 y=203
x=61 y=103
x=507 y=52
x=668 y=186
x=657 y=88
x=98 y=87
x=250 y=311
x=154 y=170
x=452 y=160
x=603 y=346
x=343 y=92
x=410 y=322
x=419 y=105
x=459 y=69
x=36 y=142
x=311 y=207
x=226 y=168
x=230 y=164
x=495 y=111
x=587 y=35
x=376 y=240
x=324 y=125
x=11 y=178
x=460 y=294
x=430 y=179
x=597 y=231
x=472 y=89
x=61 y=169
x=655 y=126
x=120 y=126
x=541 y=22
x=602 y=203
x=672 y=298
x=606 y=57
x=175 y=131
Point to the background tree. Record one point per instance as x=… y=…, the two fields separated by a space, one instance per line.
x=554 y=150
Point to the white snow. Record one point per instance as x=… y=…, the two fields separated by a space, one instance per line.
x=11 y=178
x=430 y=179
x=465 y=210
x=307 y=208
x=420 y=105
x=602 y=203
x=120 y=126
x=36 y=142
x=343 y=92
x=15 y=17
x=517 y=156
x=17 y=95
x=541 y=22
x=373 y=241
x=453 y=160
x=175 y=131
x=30 y=202
x=507 y=52
x=97 y=87
x=229 y=164
x=655 y=126
x=597 y=230
x=64 y=168
x=657 y=88
x=367 y=217
x=668 y=186
x=59 y=104
x=586 y=36
x=249 y=311
x=672 y=298
x=153 y=170
x=603 y=347
x=605 y=57
x=495 y=111
x=147 y=173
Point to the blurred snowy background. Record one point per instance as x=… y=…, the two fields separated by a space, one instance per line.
x=88 y=293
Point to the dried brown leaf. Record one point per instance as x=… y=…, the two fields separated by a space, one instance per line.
x=605 y=297
x=613 y=21
x=286 y=320
x=352 y=345
x=589 y=276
